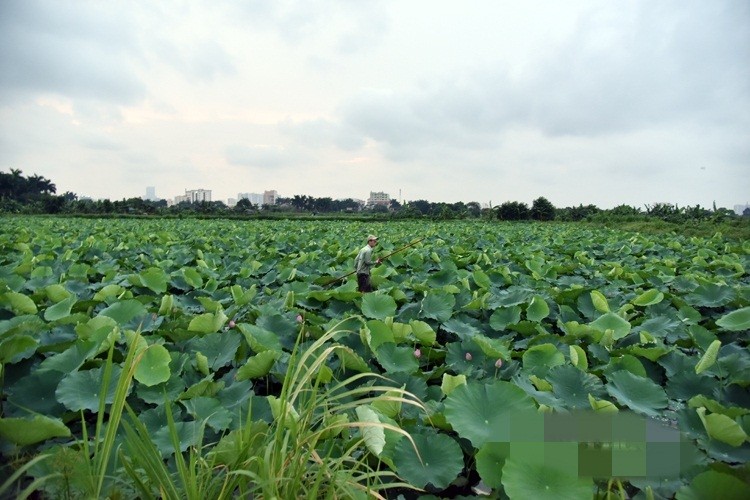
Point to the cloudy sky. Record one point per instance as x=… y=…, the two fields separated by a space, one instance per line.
x=582 y=101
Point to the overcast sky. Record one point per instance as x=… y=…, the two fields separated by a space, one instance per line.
x=603 y=102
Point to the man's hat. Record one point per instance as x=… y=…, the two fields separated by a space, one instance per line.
x=372 y=237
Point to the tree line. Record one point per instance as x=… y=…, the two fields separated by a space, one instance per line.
x=37 y=195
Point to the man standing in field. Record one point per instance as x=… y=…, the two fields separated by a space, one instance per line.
x=363 y=263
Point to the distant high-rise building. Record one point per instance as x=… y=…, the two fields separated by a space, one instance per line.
x=255 y=198
x=269 y=197
x=378 y=198
x=150 y=193
x=194 y=196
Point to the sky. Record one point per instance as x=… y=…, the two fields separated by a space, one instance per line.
x=583 y=102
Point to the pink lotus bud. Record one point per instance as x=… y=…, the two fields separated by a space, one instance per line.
x=417 y=353
x=299 y=318
x=231 y=323
x=499 y=363
x=468 y=356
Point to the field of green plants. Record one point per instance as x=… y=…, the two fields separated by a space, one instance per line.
x=223 y=359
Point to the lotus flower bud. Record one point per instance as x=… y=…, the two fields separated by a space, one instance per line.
x=499 y=363
x=468 y=356
x=299 y=318
x=417 y=353
x=232 y=324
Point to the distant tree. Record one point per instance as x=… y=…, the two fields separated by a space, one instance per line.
x=542 y=209
x=474 y=209
x=513 y=210
x=422 y=206
x=394 y=204
x=244 y=205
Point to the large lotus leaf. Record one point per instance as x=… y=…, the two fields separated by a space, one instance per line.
x=423 y=332
x=36 y=392
x=16 y=348
x=442 y=278
x=574 y=386
x=188 y=434
x=258 y=366
x=125 y=311
x=611 y=321
x=351 y=360
x=22 y=431
x=599 y=301
x=438 y=305
x=709 y=357
x=155 y=279
x=510 y=297
x=81 y=390
x=637 y=393
x=61 y=309
x=504 y=316
x=686 y=384
x=439 y=461
x=285 y=327
x=481 y=413
x=537 y=309
x=492 y=348
x=209 y=410
x=707 y=486
x=372 y=430
x=107 y=291
x=260 y=339
x=524 y=480
x=735 y=321
x=461 y=327
x=219 y=349
x=153 y=367
x=722 y=427
x=649 y=298
x=490 y=461
x=625 y=362
x=194 y=279
x=19 y=303
x=396 y=359
x=540 y=358
x=711 y=295
x=481 y=279
x=378 y=306
x=378 y=334
x=208 y=322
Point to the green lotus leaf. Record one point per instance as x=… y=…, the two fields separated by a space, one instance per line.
x=438 y=305
x=23 y=432
x=378 y=334
x=56 y=292
x=709 y=357
x=706 y=486
x=540 y=358
x=188 y=435
x=107 y=291
x=599 y=301
x=16 y=348
x=260 y=339
x=61 y=309
x=492 y=348
x=438 y=463
x=540 y=481
x=715 y=407
x=574 y=386
x=578 y=357
x=351 y=360
x=490 y=461
x=625 y=362
x=423 y=332
x=504 y=316
x=649 y=298
x=735 y=321
x=208 y=322
x=124 y=311
x=450 y=382
x=481 y=413
x=372 y=430
x=258 y=366
x=395 y=359
x=388 y=404
x=81 y=390
x=611 y=321
x=723 y=428
x=538 y=309
x=209 y=410
x=19 y=303
x=602 y=405
x=711 y=295
x=193 y=277
x=219 y=350
x=378 y=306
x=155 y=279
x=153 y=367
x=481 y=279
x=637 y=393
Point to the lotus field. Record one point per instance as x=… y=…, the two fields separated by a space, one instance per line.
x=163 y=358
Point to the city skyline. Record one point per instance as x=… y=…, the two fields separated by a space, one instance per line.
x=582 y=102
